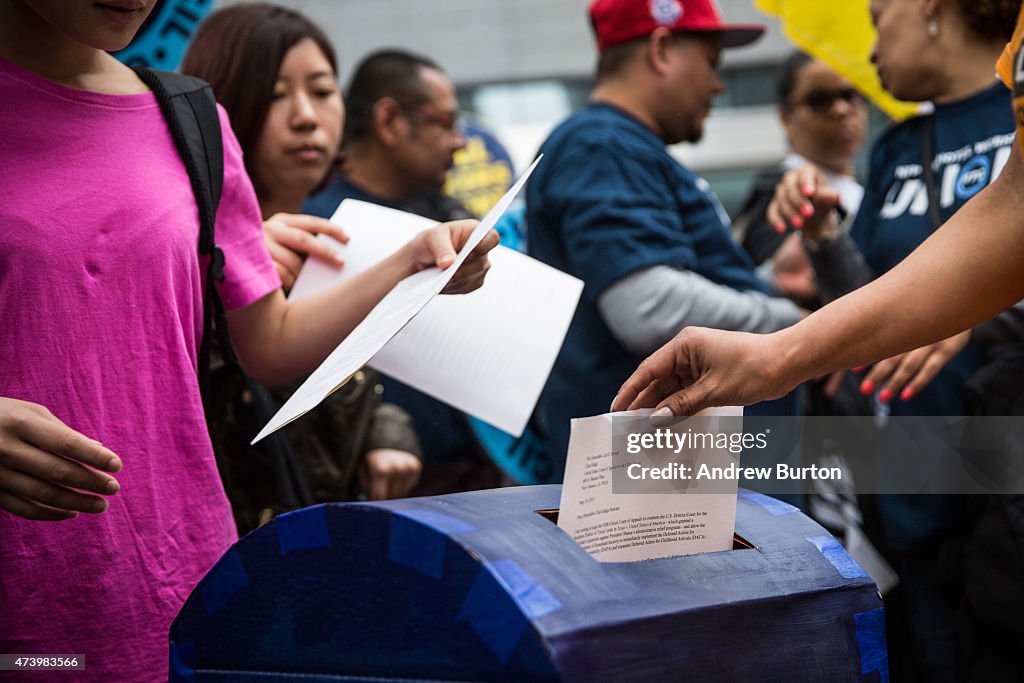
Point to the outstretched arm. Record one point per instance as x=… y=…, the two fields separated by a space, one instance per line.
x=968 y=271
x=277 y=340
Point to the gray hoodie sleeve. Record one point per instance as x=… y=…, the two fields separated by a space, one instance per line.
x=645 y=309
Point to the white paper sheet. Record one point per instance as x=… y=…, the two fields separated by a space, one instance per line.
x=626 y=527
x=389 y=316
x=487 y=353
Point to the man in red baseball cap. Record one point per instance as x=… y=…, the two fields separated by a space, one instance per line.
x=624 y=27
x=611 y=206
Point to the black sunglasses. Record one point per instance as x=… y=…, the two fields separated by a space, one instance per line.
x=822 y=101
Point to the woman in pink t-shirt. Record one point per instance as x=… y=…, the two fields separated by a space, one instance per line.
x=100 y=319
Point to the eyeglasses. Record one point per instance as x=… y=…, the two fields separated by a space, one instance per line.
x=448 y=121
x=822 y=101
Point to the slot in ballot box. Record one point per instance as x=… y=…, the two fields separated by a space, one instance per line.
x=481 y=587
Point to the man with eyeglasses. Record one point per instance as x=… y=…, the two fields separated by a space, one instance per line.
x=611 y=206
x=402 y=129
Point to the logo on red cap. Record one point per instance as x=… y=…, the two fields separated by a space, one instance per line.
x=666 y=12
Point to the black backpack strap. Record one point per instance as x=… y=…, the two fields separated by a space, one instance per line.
x=189 y=106
x=190 y=109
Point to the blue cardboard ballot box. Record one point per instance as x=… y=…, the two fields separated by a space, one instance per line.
x=481 y=586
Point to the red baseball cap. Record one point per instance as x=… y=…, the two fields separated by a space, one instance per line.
x=619 y=21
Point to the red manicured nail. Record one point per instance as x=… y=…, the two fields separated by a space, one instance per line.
x=797 y=222
x=808 y=189
x=860 y=369
x=866 y=387
x=885 y=395
x=907 y=394
x=807 y=210
x=780 y=227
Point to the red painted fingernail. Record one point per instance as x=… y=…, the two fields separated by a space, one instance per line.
x=780 y=227
x=808 y=189
x=885 y=395
x=797 y=222
x=807 y=210
x=860 y=369
x=866 y=387
x=907 y=394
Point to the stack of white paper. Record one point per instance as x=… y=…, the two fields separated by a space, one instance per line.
x=487 y=353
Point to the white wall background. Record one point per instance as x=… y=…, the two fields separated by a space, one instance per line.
x=490 y=40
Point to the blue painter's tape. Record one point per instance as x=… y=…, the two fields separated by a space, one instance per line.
x=773 y=505
x=420 y=548
x=493 y=616
x=419 y=537
x=303 y=530
x=837 y=555
x=532 y=597
x=870 y=628
x=183 y=658
x=225 y=579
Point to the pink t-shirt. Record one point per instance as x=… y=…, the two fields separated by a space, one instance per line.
x=100 y=321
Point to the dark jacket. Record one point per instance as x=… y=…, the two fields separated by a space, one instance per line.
x=327 y=444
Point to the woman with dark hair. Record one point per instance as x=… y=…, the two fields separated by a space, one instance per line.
x=921 y=172
x=276 y=74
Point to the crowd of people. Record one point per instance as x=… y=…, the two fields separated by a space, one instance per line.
x=118 y=490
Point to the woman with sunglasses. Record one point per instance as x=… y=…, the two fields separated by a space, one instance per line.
x=824 y=118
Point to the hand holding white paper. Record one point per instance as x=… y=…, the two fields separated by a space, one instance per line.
x=389 y=316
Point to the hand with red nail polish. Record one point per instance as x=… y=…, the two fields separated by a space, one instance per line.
x=804 y=200
x=905 y=375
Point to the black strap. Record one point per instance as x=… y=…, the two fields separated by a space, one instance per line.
x=190 y=109
x=929 y=171
x=292 y=487
x=189 y=106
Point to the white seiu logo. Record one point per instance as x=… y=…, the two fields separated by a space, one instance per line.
x=958 y=182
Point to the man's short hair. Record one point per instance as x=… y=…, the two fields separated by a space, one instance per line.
x=613 y=60
x=387 y=73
